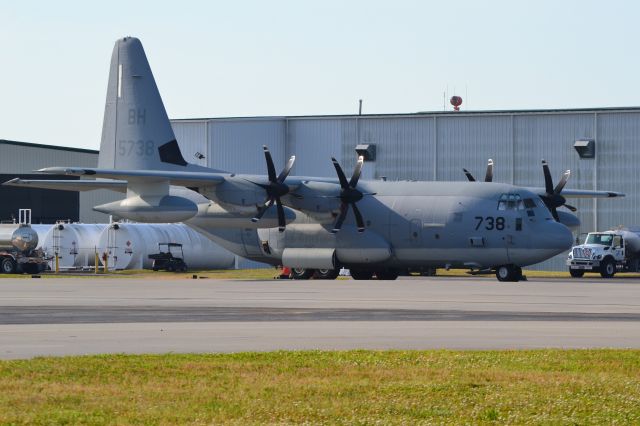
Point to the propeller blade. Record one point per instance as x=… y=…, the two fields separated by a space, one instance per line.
x=341 y=177
x=285 y=172
x=358 y=216
x=563 y=182
x=344 y=208
x=489 y=175
x=573 y=209
x=268 y=203
x=554 y=213
x=282 y=223
x=356 y=172
x=271 y=170
x=469 y=176
x=548 y=182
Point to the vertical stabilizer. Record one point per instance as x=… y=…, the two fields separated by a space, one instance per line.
x=136 y=132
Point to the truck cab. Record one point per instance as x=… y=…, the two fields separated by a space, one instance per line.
x=602 y=252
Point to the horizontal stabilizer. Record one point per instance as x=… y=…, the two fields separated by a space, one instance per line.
x=188 y=179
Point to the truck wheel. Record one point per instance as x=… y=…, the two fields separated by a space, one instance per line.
x=510 y=273
x=8 y=266
x=608 y=269
x=387 y=274
x=576 y=273
x=301 y=273
x=326 y=274
x=361 y=274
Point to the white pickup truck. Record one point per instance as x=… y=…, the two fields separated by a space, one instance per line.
x=607 y=252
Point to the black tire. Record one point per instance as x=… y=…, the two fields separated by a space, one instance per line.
x=508 y=273
x=8 y=266
x=361 y=274
x=607 y=268
x=387 y=274
x=576 y=273
x=302 y=273
x=30 y=268
x=326 y=274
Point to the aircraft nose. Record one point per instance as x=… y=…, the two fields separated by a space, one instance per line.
x=556 y=237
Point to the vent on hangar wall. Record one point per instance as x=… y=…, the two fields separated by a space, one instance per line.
x=368 y=151
x=586 y=148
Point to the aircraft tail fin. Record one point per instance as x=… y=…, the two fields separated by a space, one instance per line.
x=136 y=132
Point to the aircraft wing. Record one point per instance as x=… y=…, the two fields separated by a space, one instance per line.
x=187 y=179
x=69 y=185
x=580 y=193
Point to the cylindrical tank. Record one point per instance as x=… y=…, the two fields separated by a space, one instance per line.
x=18 y=237
x=631 y=238
x=75 y=243
x=128 y=246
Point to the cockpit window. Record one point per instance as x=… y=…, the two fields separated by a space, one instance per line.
x=510 y=202
x=601 y=239
x=529 y=203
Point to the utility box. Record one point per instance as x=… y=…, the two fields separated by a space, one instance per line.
x=368 y=151
x=586 y=148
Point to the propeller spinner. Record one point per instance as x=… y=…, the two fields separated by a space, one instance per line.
x=275 y=189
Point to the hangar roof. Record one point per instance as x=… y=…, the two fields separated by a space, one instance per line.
x=429 y=113
x=43 y=146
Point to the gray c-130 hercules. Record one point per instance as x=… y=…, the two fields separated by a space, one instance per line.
x=308 y=223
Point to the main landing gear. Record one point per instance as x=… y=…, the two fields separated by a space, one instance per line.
x=509 y=273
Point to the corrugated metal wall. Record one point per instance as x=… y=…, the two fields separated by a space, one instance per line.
x=437 y=147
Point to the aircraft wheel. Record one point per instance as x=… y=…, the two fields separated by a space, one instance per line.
x=608 y=268
x=301 y=273
x=508 y=273
x=576 y=273
x=8 y=266
x=361 y=274
x=387 y=274
x=326 y=274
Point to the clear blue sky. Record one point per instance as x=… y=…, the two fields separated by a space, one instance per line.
x=245 y=58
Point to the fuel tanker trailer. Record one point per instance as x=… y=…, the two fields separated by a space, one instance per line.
x=19 y=251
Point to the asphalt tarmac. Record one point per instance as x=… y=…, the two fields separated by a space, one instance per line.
x=75 y=316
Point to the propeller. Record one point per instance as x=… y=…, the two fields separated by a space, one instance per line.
x=349 y=195
x=275 y=189
x=552 y=199
x=488 y=177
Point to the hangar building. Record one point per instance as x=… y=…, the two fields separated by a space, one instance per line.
x=600 y=146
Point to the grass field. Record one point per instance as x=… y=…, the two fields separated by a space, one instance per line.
x=355 y=387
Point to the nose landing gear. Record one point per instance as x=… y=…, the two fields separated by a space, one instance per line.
x=509 y=273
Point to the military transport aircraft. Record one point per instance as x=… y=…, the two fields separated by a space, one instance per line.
x=310 y=224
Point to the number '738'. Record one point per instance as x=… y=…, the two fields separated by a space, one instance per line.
x=490 y=223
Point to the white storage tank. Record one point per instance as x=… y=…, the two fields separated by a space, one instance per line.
x=75 y=243
x=128 y=246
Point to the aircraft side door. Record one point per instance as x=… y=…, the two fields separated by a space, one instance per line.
x=512 y=208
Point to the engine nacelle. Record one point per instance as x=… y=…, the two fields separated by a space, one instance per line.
x=167 y=208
